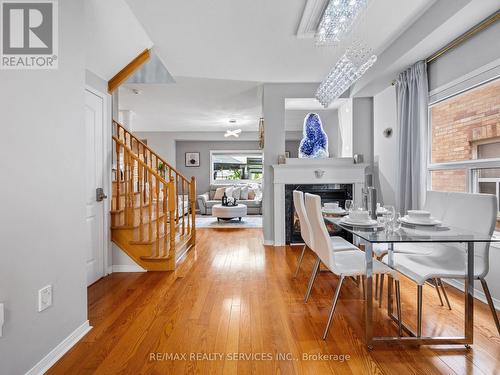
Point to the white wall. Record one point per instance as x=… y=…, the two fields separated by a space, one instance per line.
x=42 y=229
x=274 y=144
x=385 y=149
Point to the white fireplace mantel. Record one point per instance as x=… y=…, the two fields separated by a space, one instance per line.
x=313 y=171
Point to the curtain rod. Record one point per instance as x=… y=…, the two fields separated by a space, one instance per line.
x=484 y=24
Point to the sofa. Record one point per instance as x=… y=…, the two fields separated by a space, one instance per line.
x=206 y=201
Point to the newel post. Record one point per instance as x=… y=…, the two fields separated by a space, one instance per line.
x=193 y=210
x=172 y=197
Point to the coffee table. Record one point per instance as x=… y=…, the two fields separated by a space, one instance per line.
x=229 y=212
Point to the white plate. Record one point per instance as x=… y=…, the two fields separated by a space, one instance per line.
x=369 y=223
x=431 y=222
x=334 y=211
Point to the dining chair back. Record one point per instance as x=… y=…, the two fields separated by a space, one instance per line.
x=322 y=243
x=435 y=203
x=475 y=212
x=305 y=225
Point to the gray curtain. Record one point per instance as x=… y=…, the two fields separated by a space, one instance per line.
x=412 y=95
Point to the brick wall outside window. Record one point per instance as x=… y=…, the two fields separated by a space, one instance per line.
x=458 y=125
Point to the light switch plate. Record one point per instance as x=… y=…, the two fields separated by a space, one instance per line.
x=44 y=298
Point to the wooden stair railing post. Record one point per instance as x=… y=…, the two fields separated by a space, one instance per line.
x=182 y=201
x=171 y=218
x=157 y=188
x=193 y=210
x=118 y=178
x=141 y=204
x=150 y=208
x=165 y=218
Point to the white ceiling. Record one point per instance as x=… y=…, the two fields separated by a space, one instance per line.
x=193 y=104
x=113 y=37
x=255 y=40
x=227 y=48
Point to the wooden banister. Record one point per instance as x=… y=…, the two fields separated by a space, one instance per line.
x=153 y=212
x=152 y=154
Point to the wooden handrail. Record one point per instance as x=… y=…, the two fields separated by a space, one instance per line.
x=152 y=211
x=136 y=158
x=145 y=146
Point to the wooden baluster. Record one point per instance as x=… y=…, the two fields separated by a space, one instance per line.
x=157 y=215
x=141 y=203
x=188 y=211
x=150 y=208
x=176 y=199
x=125 y=174
x=193 y=210
x=165 y=219
x=131 y=188
x=118 y=177
x=171 y=212
x=182 y=201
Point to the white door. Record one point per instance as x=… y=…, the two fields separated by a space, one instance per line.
x=94 y=109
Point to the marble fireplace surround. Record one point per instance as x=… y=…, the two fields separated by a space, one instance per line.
x=313 y=171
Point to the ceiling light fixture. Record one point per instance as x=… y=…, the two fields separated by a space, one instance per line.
x=232 y=133
x=338 y=20
x=357 y=59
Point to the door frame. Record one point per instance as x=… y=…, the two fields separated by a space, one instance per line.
x=106 y=176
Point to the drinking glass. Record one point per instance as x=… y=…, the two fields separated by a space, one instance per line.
x=348 y=205
x=396 y=224
x=389 y=215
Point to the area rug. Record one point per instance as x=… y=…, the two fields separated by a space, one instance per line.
x=207 y=221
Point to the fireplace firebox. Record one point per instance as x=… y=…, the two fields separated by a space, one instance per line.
x=328 y=193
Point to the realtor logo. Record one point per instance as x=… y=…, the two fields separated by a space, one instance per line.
x=29 y=34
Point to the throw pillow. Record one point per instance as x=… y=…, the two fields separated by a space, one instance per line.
x=219 y=193
x=236 y=192
x=251 y=194
x=244 y=193
x=229 y=191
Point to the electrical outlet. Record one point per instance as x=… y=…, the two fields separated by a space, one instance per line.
x=44 y=298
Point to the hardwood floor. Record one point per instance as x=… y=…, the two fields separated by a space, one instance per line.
x=232 y=296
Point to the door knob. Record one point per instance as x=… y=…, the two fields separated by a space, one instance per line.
x=99 y=194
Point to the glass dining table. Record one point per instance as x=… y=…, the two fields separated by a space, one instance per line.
x=414 y=234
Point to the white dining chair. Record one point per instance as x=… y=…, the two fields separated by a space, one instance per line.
x=435 y=204
x=341 y=263
x=340 y=244
x=474 y=212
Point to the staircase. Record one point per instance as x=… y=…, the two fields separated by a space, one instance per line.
x=153 y=205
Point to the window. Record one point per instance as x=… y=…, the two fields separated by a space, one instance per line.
x=465 y=141
x=235 y=166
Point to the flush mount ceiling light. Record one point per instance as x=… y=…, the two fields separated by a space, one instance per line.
x=232 y=133
x=357 y=59
x=338 y=20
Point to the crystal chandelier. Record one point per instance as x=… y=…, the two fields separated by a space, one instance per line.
x=357 y=59
x=338 y=20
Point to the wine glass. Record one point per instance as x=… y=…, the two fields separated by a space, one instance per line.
x=389 y=214
x=396 y=224
x=348 y=205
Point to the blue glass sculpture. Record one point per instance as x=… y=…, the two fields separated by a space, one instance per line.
x=315 y=141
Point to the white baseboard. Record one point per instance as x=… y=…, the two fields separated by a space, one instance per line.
x=478 y=293
x=127 y=268
x=268 y=243
x=55 y=354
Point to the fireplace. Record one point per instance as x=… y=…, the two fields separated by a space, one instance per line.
x=328 y=193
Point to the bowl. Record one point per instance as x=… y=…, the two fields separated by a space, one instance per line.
x=419 y=214
x=359 y=215
x=331 y=205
